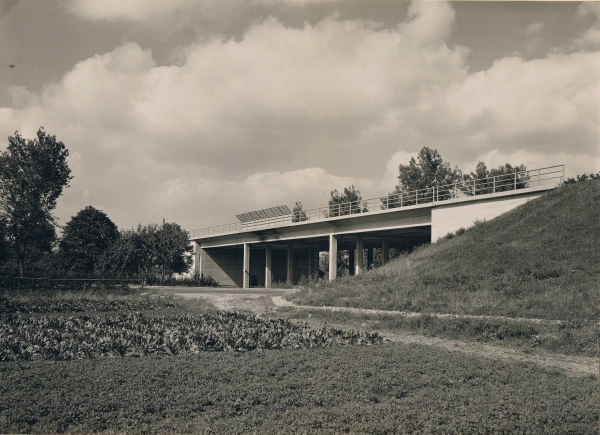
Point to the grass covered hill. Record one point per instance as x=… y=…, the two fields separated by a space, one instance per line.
x=540 y=260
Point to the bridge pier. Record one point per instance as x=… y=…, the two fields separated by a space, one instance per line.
x=268 y=266
x=246 y=269
x=359 y=254
x=332 y=257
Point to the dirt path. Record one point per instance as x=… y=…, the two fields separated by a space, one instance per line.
x=266 y=303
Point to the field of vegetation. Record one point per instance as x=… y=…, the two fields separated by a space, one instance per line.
x=388 y=388
x=84 y=364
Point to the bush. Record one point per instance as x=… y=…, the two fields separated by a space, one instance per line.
x=197 y=279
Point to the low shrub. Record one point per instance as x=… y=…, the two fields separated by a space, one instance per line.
x=58 y=338
x=197 y=279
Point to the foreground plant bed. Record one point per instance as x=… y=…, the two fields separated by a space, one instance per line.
x=390 y=388
x=136 y=334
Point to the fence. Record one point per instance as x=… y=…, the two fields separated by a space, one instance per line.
x=465 y=188
x=16 y=283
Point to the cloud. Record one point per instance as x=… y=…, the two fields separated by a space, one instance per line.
x=590 y=38
x=132 y=10
x=288 y=114
x=534 y=28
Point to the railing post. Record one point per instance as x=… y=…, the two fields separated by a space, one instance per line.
x=494 y=184
x=401 y=200
x=515 y=180
x=416 y=197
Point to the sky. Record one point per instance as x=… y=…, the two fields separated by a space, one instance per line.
x=194 y=111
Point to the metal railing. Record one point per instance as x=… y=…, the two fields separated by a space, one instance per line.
x=465 y=188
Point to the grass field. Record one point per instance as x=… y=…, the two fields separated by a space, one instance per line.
x=386 y=388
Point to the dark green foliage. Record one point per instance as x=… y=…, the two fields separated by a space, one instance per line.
x=500 y=179
x=539 y=260
x=47 y=285
x=197 y=279
x=348 y=202
x=298 y=214
x=151 y=251
x=428 y=171
x=583 y=177
x=33 y=174
x=457 y=233
x=43 y=305
x=391 y=388
x=136 y=334
x=86 y=238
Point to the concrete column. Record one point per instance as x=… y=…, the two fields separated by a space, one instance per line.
x=290 y=264
x=332 y=257
x=197 y=257
x=246 y=279
x=359 y=255
x=385 y=252
x=369 y=258
x=351 y=262
x=268 y=268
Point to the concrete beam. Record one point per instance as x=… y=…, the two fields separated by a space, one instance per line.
x=246 y=269
x=359 y=255
x=332 y=257
x=269 y=266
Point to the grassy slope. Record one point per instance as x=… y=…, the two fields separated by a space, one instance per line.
x=539 y=260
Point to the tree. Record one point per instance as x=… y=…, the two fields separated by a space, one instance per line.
x=33 y=174
x=85 y=239
x=149 y=250
x=429 y=171
x=501 y=179
x=298 y=214
x=349 y=202
x=173 y=250
x=125 y=258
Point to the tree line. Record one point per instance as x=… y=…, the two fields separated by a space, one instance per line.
x=33 y=175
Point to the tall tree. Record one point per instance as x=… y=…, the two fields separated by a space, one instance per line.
x=348 y=202
x=85 y=239
x=173 y=250
x=427 y=172
x=33 y=174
